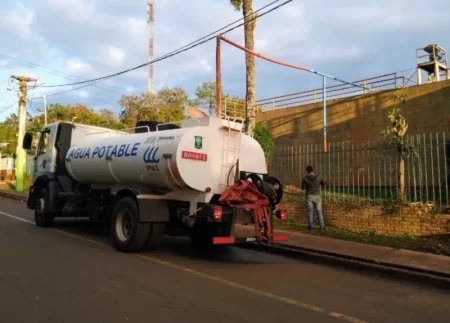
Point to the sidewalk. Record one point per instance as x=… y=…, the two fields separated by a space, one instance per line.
x=5 y=191
x=399 y=258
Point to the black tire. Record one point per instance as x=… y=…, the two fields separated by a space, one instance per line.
x=127 y=233
x=42 y=217
x=155 y=235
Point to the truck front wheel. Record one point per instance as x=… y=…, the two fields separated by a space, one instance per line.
x=42 y=216
x=127 y=233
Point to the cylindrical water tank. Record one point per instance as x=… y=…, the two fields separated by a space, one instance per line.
x=192 y=158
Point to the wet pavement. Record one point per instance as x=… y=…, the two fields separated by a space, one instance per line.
x=71 y=273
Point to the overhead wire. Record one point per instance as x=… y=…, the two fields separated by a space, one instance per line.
x=194 y=44
x=9 y=107
x=62 y=74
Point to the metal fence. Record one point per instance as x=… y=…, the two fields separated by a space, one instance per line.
x=367 y=172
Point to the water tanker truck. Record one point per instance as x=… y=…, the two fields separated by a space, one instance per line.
x=159 y=179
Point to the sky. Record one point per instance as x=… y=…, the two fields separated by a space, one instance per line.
x=64 y=41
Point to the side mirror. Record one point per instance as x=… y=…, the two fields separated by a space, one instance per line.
x=27 y=141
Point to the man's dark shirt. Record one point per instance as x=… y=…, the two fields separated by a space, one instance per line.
x=311 y=183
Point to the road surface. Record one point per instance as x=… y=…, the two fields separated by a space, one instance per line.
x=71 y=273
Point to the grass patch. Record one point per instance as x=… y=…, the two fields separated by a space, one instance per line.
x=436 y=244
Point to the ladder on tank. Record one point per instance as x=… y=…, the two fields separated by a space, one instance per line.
x=231 y=149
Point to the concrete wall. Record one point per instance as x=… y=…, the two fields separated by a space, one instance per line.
x=362 y=117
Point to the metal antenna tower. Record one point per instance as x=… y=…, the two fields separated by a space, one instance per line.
x=151 y=22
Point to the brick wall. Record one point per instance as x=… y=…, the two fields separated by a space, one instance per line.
x=362 y=117
x=373 y=218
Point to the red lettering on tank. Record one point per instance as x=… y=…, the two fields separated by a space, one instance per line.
x=194 y=156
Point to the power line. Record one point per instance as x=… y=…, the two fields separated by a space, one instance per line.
x=182 y=49
x=9 y=107
x=61 y=74
x=71 y=90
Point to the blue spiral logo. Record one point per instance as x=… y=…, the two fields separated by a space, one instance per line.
x=150 y=155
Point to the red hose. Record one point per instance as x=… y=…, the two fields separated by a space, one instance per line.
x=244 y=194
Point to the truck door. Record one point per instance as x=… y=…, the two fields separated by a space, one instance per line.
x=44 y=161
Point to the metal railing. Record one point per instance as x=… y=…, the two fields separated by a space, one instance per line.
x=382 y=82
x=367 y=172
x=236 y=108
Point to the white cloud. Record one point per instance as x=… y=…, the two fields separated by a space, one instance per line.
x=203 y=63
x=83 y=94
x=261 y=44
x=114 y=55
x=78 y=68
x=134 y=26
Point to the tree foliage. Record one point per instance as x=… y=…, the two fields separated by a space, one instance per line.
x=395 y=134
x=205 y=97
x=265 y=139
x=237 y=4
x=8 y=134
x=81 y=114
x=168 y=105
x=56 y=112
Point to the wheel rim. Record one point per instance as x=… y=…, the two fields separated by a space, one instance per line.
x=124 y=225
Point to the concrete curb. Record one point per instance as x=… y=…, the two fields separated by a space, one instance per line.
x=13 y=196
x=362 y=265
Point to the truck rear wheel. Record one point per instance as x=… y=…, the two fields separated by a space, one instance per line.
x=42 y=217
x=127 y=233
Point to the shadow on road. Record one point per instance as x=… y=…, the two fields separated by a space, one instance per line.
x=175 y=246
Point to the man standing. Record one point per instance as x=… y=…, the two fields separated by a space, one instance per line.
x=312 y=184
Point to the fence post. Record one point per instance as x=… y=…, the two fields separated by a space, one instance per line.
x=324 y=115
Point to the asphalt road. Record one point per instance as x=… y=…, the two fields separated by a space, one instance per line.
x=71 y=273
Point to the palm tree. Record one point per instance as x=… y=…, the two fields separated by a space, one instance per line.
x=249 y=27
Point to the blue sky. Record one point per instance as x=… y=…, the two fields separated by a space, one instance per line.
x=91 y=38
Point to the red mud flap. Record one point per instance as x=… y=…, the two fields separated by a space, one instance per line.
x=233 y=240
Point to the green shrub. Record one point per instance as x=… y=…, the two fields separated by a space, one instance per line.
x=265 y=139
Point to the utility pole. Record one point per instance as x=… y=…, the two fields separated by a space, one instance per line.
x=45 y=108
x=20 y=161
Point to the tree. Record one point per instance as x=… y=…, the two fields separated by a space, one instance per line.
x=249 y=27
x=395 y=133
x=206 y=96
x=57 y=112
x=168 y=105
x=8 y=134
